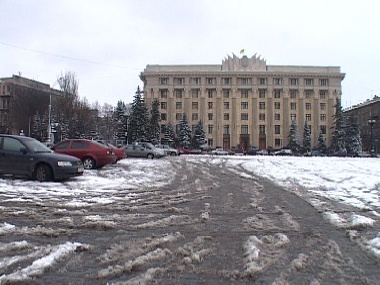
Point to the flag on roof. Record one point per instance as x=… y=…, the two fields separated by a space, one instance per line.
x=242 y=51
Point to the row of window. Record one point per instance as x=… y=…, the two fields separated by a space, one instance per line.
x=243 y=105
x=244 y=130
x=244 y=117
x=245 y=81
x=244 y=93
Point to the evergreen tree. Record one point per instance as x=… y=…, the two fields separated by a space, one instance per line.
x=138 y=121
x=120 y=121
x=169 y=134
x=322 y=146
x=338 y=138
x=154 y=126
x=353 y=140
x=292 y=138
x=306 y=148
x=199 y=138
x=184 y=133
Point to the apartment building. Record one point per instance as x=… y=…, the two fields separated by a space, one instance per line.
x=20 y=99
x=244 y=102
x=368 y=114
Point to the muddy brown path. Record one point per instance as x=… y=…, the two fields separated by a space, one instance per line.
x=211 y=225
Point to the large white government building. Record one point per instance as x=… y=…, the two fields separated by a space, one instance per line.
x=244 y=102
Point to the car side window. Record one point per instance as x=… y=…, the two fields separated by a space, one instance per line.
x=79 y=145
x=63 y=145
x=11 y=144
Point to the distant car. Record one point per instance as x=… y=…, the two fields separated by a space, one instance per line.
x=143 y=150
x=25 y=156
x=183 y=150
x=252 y=151
x=219 y=151
x=167 y=149
x=317 y=153
x=262 y=152
x=92 y=153
x=119 y=152
x=283 y=152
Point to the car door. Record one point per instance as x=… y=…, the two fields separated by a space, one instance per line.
x=16 y=158
x=2 y=156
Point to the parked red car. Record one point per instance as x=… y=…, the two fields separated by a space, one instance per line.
x=92 y=153
x=119 y=152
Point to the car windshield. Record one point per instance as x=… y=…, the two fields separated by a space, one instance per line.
x=36 y=146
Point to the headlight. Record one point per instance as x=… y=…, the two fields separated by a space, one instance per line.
x=64 y=163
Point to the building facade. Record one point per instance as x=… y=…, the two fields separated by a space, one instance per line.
x=244 y=102
x=368 y=114
x=20 y=99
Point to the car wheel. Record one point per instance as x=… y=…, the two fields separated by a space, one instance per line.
x=43 y=173
x=88 y=163
x=150 y=156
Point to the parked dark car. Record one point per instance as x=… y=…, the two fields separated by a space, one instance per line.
x=92 y=153
x=119 y=151
x=25 y=156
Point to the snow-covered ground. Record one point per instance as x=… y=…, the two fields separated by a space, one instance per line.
x=339 y=181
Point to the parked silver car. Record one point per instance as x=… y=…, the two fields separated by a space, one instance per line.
x=167 y=149
x=146 y=150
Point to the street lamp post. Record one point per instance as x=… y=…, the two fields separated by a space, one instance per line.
x=371 y=122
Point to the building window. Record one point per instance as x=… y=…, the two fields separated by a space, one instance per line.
x=210 y=105
x=277 y=142
x=262 y=81
x=195 y=80
x=244 y=130
x=322 y=106
x=163 y=117
x=194 y=116
x=226 y=116
x=262 y=105
x=210 y=129
x=277 y=93
x=277 y=105
x=323 y=129
x=226 y=81
x=178 y=116
x=179 y=80
x=164 y=80
x=293 y=81
x=210 y=93
x=210 y=142
x=163 y=128
x=226 y=105
x=194 y=105
x=308 y=106
x=244 y=116
x=308 y=117
x=244 y=81
x=164 y=105
x=211 y=80
x=244 y=105
x=210 y=116
x=226 y=129
x=226 y=93
x=293 y=106
x=293 y=94
x=308 y=81
x=322 y=94
x=324 y=82
x=277 y=117
x=195 y=93
x=244 y=93
x=164 y=93
x=309 y=94
x=323 y=117
x=262 y=93
x=178 y=93
x=178 y=105
x=277 y=81
x=262 y=116
x=293 y=117
x=262 y=129
x=277 y=129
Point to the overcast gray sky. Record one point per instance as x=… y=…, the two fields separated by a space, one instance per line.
x=107 y=43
